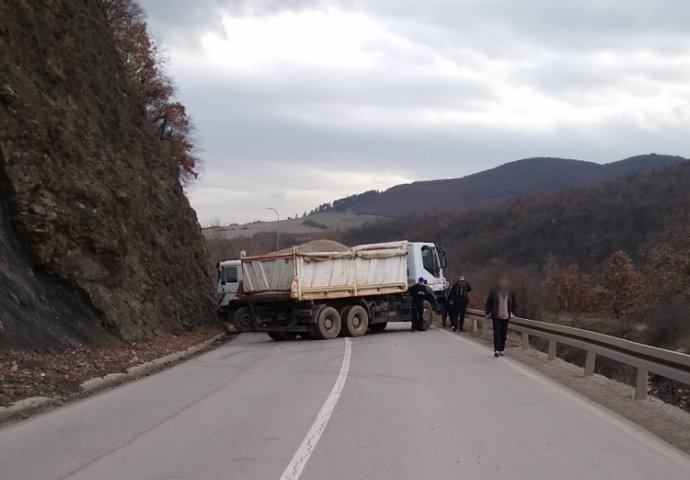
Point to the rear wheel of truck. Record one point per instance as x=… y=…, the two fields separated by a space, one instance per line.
x=242 y=319
x=282 y=336
x=427 y=315
x=378 y=327
x=355 y=320
x=327 y=324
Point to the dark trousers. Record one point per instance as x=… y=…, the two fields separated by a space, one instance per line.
x=417 y=315
x=500 y=333
x=458 y=318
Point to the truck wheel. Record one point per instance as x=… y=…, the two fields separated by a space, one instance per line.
x=242 y=319
x=355 y=320
x=378 y=327
x=328 y=323
x=282 y=336
x=427 y=315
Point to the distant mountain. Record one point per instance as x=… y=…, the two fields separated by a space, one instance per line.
x=582 y=225
x=515 y=179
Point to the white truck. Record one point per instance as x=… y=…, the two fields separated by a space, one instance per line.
x=229 y=278
x=326 y=294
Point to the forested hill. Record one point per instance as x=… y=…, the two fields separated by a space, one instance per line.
x=515 y=179
x=583 y=226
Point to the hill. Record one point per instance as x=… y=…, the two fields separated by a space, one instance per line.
x=583 y=226
x=515 y=179
x=302 y=228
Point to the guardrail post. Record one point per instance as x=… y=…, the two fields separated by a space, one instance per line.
x=485 y=328
x=590 y=360
x=552 y=349
x=525 y=341
x=641 y=382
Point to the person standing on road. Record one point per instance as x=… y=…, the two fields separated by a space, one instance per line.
x=459 y=298
x=418 y=292
x=447 y=313
x=500 y=307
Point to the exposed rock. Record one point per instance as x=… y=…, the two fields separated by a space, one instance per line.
x=96 y=234
x=7 y=95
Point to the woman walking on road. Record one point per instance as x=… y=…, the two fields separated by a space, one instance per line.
x=500 y=307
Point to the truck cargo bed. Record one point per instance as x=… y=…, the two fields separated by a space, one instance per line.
x=361 y=271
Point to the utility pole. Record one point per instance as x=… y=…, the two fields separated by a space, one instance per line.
x=277 y=227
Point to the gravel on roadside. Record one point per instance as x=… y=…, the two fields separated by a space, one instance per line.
x=59 y=373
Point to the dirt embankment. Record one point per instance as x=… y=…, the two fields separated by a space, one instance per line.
x=60 y=373
x=97 y=239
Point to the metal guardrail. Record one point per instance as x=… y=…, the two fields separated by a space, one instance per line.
x=644 y=358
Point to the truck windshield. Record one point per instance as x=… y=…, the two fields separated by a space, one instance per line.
x=229 y=274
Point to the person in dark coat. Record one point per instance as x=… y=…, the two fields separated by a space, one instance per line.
x=447 y=313
x=500 y=307
x=459 y=298
x=418 y=292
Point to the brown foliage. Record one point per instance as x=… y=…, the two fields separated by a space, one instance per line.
x=624 y=284
x=572 y=289
x=669 y=258
x=145 y=65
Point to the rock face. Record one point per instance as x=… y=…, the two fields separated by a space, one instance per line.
x=97 y=239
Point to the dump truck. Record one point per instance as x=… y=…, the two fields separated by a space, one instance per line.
x=323 y=295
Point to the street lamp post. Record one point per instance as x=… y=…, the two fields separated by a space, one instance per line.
x=277 y=227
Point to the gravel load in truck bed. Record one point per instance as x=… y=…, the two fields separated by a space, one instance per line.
x=317 y=246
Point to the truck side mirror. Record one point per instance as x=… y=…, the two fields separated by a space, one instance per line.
x=442 y=258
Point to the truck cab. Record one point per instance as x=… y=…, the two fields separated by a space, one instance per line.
x=229 y=277
x=426 y=260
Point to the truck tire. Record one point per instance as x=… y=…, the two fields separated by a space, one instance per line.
x=282 y=336
x=378 y=327
x=355 y=320
x=242 y=320
x=427 y=315
x=327 y=324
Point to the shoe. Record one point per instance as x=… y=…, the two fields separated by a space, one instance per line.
x=496 y=354
x=455 y=329
x=502 y=354
x=461 y=330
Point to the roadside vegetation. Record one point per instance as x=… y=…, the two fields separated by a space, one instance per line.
x=145 y=63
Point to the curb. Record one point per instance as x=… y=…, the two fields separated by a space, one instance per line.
x=24 y=407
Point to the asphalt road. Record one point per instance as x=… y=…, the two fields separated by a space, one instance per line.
x=393 y=406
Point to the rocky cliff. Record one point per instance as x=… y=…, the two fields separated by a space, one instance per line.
x=97 y=239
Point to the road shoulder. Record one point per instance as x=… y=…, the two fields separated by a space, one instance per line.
x=667 y=422
x=89 y=385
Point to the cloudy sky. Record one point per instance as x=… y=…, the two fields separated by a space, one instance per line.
x=299 y=102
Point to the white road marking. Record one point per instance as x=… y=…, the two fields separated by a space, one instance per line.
x=642 y=435
x=299 y=460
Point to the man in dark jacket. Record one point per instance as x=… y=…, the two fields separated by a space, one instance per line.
x=446 y=313
x=459 y=298
x=500 y=307
x=418 y=292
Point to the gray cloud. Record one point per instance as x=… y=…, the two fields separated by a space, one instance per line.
x=433 y=89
